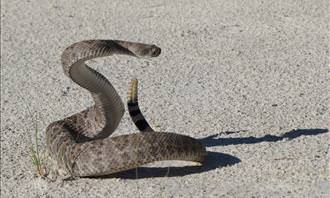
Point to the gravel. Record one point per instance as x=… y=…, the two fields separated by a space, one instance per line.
x=250 y=79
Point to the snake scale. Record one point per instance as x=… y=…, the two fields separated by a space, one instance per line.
x=80 y=144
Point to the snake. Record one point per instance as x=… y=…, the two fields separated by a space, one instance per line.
x=82 y=144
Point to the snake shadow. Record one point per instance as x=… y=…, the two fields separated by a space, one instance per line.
x=215 y=140
x=213 y=160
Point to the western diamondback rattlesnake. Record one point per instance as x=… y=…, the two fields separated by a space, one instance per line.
x=80 y=144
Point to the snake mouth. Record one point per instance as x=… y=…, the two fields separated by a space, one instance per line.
x=155 y=51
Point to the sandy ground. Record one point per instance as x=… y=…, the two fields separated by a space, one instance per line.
x=250 y=79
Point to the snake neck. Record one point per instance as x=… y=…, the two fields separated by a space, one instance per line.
x=105 y=97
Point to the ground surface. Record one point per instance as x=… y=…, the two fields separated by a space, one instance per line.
x=248 y=78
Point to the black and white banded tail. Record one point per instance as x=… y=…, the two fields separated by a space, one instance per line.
x=134 y=109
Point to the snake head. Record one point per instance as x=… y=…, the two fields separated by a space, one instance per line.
x=145 y=51
x=140 y=49
x=149 y=51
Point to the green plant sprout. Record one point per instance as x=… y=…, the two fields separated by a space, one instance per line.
x=37 y=159
x=35 y=154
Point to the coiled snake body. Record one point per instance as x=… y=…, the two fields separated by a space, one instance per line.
x=80 y=144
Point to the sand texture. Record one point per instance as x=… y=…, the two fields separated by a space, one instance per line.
x=250 y=79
